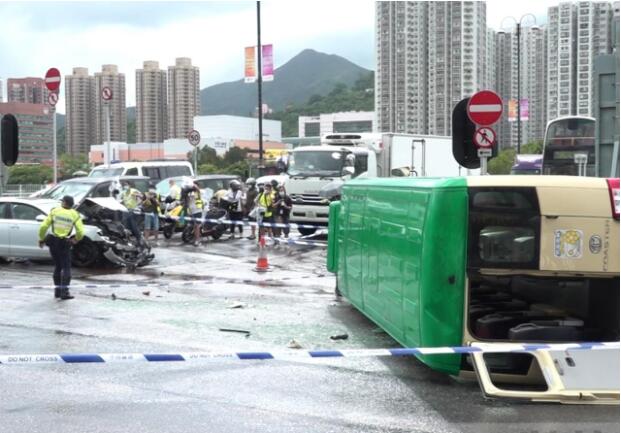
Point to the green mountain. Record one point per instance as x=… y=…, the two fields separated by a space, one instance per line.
x=307 y=74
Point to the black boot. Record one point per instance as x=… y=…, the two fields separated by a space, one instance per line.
x=64 y=294
x=57 y=292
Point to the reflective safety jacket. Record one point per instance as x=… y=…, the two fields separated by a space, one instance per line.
x=62 y=221
x=265 y=201
x=130 y=198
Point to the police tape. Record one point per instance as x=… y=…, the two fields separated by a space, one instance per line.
x=87 y=358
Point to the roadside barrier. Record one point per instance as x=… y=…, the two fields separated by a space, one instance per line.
x=87 y=358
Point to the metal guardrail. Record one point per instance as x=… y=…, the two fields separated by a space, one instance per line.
x=22 y=190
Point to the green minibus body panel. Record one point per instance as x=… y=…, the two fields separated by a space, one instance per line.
x=333 y=221
x=400 y=247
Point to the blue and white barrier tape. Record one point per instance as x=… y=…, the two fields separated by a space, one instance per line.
x=86 y=358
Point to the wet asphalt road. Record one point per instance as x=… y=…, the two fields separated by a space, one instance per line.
x=202 y=285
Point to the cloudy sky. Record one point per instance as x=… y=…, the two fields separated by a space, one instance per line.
x=39 y=35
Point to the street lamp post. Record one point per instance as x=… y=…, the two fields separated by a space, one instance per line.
x=518 y=25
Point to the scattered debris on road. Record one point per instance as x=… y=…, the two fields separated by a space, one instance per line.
x=339 y=337
x=293 y=344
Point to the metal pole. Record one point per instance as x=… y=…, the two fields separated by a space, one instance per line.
x=259 y=85
x=195 y=159
x=519 y=114
x=107 y=109
x=483 y=165
x=54 y=151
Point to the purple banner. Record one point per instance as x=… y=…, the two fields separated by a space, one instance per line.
x=267 y=63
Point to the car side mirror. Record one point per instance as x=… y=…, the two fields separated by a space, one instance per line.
x=40 y=218
x=348 y=171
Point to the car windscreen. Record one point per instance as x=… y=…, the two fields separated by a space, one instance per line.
x=106 y=172
x=318 y=163
x=76 y=190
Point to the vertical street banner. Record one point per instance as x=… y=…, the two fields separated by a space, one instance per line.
x=512 y=110
x=267 y=62
x=523 y=109
x=250 y=70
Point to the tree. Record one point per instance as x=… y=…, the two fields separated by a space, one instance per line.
x=503 y=162
x=70 y=164
x=235 y=155
x=131 y=131
x=207 y=169
x=30 y=174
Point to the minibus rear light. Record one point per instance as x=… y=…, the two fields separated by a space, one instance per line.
x=615 y=198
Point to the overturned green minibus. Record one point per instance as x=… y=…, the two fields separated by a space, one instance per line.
x=489 y=260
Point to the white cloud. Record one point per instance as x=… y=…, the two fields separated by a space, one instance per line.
x=214 y=41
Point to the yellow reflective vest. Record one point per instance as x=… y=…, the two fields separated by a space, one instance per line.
x=62 y=221
x=266 y=201
x=130 y=198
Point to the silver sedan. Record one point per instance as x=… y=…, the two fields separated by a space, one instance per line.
x=20 y=220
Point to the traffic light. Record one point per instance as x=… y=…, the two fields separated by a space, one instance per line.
x=9 y=140
x=464 y=149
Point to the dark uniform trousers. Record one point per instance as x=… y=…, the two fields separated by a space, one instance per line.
x=60 y=249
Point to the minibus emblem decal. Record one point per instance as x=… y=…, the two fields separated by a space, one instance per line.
x=568 y=244
x=595 y=244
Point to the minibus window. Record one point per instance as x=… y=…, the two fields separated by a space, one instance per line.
x=504 y=228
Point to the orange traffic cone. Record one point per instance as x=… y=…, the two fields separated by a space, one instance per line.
x=262 y=264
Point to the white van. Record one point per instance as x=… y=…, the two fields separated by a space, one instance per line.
x=155 y=170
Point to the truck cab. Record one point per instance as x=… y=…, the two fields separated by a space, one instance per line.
x=339 y=157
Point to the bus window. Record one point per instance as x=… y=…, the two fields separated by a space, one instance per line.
x=504 y=228
x=565 y=138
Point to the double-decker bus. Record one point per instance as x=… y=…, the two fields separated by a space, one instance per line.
x=569 y=147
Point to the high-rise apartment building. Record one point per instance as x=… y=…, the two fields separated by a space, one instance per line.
x=151 y=107
x=29 y=90
x=110 y=77
x=534 y=73
x=35 y=130
x=80 y=111
x=506 y=85
x=401 y=73
x=1 y=90
x=430 y=55
x=183 y=97
x=577 y=32
x=490 y=59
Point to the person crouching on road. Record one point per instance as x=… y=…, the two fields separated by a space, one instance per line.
x=151 y=209
x=249 y=204
x=62 y=220
x=282 y=208
x=234 y=196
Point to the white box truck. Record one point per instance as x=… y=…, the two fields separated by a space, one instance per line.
x=344 y=156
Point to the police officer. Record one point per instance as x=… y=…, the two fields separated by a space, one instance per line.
x=62 y=220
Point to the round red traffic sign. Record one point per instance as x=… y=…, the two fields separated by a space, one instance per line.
x=106 y=93
x=52 y=98
x=484 y=137
x=194 y=137
x=52 y=79
x=484 y=108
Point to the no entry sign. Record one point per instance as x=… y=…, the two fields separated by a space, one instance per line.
x=52 y=79
x=484 y=108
